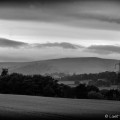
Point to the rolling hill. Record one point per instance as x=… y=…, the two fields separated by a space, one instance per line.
x=64 y=65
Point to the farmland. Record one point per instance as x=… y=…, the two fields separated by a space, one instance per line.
x=21 y=106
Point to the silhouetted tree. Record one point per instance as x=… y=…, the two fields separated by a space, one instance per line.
x=95 y=95
x=4 y=72
x=81 y=91
x=92 y=88
x=118 y=78
x=113 y=94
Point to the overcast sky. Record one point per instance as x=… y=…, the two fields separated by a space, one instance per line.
x=69 y=28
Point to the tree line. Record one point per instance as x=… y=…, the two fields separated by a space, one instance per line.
x=47 y=86
x=112 y=77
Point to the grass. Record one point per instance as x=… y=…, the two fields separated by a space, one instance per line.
x=22 y=106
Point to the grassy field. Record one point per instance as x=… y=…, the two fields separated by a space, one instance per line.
x=21 y=106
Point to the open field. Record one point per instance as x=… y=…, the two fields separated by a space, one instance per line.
x=21 y=106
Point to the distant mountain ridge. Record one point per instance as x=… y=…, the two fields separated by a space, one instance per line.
x=64 y=65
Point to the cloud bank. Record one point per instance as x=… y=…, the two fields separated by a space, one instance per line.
x=15 y=44
x=11 y=44
x=99 y=49
x=104 y=49
x=28 y=52
x=64 y=45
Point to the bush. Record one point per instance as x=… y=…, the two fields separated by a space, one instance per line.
x=67 y=91
x=104 y=93
x=81 y=91
x=102 y=83
x=92 y=88
x=95 y=95
x=113 y=94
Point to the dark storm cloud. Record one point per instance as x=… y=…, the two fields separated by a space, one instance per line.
x=43 y=2
x=40 y=1
x=96 y=17
x=49 y=1
x=58 y=13
x=103 y=49
x=10 y=43
x=64 y=45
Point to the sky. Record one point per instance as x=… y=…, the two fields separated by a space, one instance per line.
x=47 y=29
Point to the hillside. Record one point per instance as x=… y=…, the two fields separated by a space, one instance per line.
x=65 y=65
x=22 y=106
